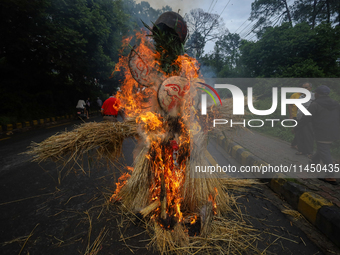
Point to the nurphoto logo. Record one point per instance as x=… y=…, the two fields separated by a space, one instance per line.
x=239 y=105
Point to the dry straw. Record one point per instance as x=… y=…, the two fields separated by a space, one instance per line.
x=225 y=234
x=295 y=214
x=222 y=227
x=106 y=138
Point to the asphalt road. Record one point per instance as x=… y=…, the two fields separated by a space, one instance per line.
x=46 y=209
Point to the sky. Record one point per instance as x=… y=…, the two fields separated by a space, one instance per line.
x=235 y=15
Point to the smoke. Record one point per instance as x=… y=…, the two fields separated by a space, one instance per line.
x=207 y=71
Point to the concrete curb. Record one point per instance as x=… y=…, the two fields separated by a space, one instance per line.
x=25 y=125
x=20 y=126
x=316 y=209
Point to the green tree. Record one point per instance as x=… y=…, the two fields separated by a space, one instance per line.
x=316 y=11
x=195 y=45
x=281 y=49
x=225 y=58
x=229 y=46
x=55 y=52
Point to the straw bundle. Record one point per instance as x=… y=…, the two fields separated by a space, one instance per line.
x=105 y=138
x=135 y=193
x=225 y=111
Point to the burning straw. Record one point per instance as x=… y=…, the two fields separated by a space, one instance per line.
x=228 y=234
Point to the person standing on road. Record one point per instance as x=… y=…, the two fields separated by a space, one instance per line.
x=305 y=135
x=88 y=104
x=100 y=103
x=325 y=119
x=110 y=108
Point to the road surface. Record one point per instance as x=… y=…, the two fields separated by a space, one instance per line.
x=46 y=209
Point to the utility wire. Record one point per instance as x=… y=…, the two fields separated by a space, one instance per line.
x=241 y=25
x=220 y=13
x=274 y=21
x=225 y=7
x=256 y=25
x=211 y=5
x=212 y=9
x=252 y=21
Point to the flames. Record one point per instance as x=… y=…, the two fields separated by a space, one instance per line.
x=167 y=138
x=169 y=176
x=168 y=169
x=120 y=184
x=150 y=121
x=212 y=199
x=133 y=96
x=193 y=220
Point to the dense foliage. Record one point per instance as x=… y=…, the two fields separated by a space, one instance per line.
x=55 y=52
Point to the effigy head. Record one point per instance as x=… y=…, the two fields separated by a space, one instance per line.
x=171 y=21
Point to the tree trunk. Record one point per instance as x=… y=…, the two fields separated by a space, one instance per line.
x=314 y=14
x=288 y=12
x=328 y=12
x=339 y=13
x=316 y=11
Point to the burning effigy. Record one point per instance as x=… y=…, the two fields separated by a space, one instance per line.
x=159 y=93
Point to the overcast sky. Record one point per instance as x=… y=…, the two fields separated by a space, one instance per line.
x=234 y=15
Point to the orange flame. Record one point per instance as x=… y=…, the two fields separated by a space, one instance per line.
x=193 y=220
x=132 y=96
x=160 y=156
x=212 y=199
x=150 y=121
x=135 y=100
x=119 y=185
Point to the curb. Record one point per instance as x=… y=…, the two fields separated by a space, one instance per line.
x=316 y=209
x=20 y=126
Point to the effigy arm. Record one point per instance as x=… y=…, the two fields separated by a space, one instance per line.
x=105 y=138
